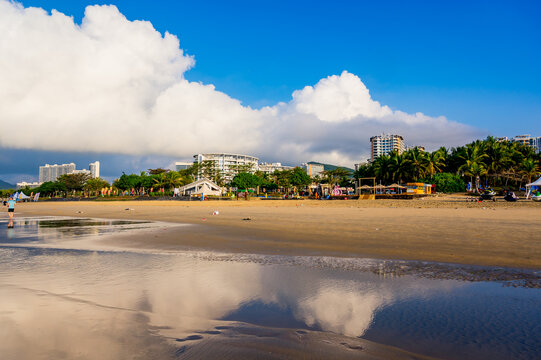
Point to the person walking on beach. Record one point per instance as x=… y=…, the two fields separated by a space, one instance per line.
x=11 y=210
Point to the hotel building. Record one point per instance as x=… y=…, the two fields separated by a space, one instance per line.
x=228 y=165
x=384 y=144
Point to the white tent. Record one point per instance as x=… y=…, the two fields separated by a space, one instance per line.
x=22 y=196
x=529 y=187
x=203 y=186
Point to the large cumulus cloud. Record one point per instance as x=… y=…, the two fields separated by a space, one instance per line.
x=117 y=86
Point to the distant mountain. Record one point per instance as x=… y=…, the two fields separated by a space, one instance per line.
x=328 y=167
x=5 y=185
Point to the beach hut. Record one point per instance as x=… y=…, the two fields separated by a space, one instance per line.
x=529 y=187
x=418 y=188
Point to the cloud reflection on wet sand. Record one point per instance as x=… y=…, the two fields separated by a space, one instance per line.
x=99 y=303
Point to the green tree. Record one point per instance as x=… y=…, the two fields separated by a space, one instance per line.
x=435 y=161
x=74 y=182
x=529 y=169
x=127 y=182
x=418 y=164
x=398 y=167
x=382 y=168
x=173 y=179
x=50 y=188
x=363 y=171
x=446 y=182
x=298 y=177
x=157 y=171
x=337 y=176
x=472 y=161
x=245 y=180
x=95 y=185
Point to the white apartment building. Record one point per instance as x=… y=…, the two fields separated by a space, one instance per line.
x=313 y=169
x=383 y=144
x=82 y=171
x=94 y=169
x=179 y=165
x=269 y=168
x=24 y=184
x=532 y=141
x=52 y=172
x=228 y=165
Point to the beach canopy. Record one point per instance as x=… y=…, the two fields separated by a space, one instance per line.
x=366 y=187
x=535 y=183
x=529 y=186
x=203 y=186
x=396 y=186
x=22 y=196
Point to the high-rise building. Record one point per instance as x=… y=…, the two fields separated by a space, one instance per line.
x=94 y=169
x=384 y=144
x=53 y=172
x=228 y=165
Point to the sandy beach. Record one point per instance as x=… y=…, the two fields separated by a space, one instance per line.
x=443 y=229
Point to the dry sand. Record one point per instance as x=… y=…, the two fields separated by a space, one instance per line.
x=444 y=229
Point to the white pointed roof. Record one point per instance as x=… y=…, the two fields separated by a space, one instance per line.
x=535 y=183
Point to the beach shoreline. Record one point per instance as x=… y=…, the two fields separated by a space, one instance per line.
x=445 y=229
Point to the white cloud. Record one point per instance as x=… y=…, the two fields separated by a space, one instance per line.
x=337 y=99
x=117 y=86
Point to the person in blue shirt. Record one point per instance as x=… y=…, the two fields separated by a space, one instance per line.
x=11 y=210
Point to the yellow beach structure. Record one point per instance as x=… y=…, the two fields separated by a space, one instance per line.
x=418 y=188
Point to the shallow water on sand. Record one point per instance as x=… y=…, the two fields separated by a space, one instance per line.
x=72 y=301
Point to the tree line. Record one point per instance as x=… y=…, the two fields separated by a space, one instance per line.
x=68 y=184
x=494 y=163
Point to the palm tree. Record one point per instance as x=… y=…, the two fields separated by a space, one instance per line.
x=399 y=166
x=173 y=179
x=382 y=167
x=476 y=170
x=333 y=177
x=497 y=157
x=417 y=162
x=435 y=161
x=160 y=180
x=472 y=162
x=529 y=169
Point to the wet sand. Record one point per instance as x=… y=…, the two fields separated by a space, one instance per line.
x=243 y=341
x=443 y=229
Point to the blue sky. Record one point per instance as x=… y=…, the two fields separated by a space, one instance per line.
x=474 y=62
